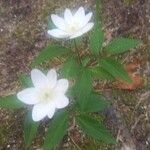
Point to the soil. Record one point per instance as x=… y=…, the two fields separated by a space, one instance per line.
x=23 y=26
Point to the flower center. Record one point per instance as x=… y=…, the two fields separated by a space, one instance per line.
x=46 y=94
x=72 y=27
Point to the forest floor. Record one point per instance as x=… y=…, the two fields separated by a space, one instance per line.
x=23 y=26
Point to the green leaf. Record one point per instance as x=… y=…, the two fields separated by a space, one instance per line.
x=30 y=129
x=56 y=131
x=70 y=68
x=25 y=80
x=120 y=45
x=83 y=87
x=97 y=36
x=98 y=11
x=100 y=73
x=49 y=52
x=95 y=129
x=93 y=103
x=115 y=68
x=11 y=102
x=85 y=60
x=96 y=39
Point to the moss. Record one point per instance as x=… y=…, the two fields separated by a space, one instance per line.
x=127 y=97
x=126 y=101
x=3 y=134
x=91 y=144
x=5 y=127
x=128 y=2
x=147 y=83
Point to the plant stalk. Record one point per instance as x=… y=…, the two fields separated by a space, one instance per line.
x=77 y=50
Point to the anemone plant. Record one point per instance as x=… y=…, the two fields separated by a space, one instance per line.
x=69 y=94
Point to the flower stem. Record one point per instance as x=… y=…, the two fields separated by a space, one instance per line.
x=77 y=50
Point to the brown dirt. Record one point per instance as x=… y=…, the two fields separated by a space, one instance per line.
x=23 y=25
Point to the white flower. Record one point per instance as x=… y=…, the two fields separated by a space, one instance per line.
x=71 y=26
x=47 y=95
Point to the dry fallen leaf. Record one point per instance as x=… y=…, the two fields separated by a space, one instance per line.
x=137 y=80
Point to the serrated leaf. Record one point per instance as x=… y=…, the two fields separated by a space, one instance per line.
x=98 y=11
x=120 y=45
x=115 y=68
x=85 y=60
x=30 y=129
x=97 y=36
x=56 y=130
x=83 y=87
x=100 y=73
x=70 y=68
x=94 y=129
x=93 y=103
x=96 y=40
x=11 y=102
x=49 y=52
x=25 y=80
x=83 y=84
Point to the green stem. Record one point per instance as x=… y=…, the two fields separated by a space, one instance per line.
x=77 y=50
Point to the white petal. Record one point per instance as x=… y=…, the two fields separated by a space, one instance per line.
x=79 y=17
x=80 y=13
x=61 y=101
x=28 y=96
x=83 y=30
x=68 y=16
x=58 y=21
x=51 y=112
x=52 y=78
x=41 y=110
x=87 y=18
x=38 y=78
x=57 y=33
x=62 y=85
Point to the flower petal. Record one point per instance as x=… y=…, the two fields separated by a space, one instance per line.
x=68 y=16
x=62 y=85
x=87 y=18
x=52 y=77
x=61 y=101
x=82 y=31
x=80 y=14
x=41 y=110
x=28 y=96
x=58 y=33
x=38 y=78
x=58 y=21
x=51 y=112
x=79 y=17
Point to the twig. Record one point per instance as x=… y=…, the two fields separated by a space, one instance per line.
x=73 y=125
x=136 y=122
x=75 y=143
